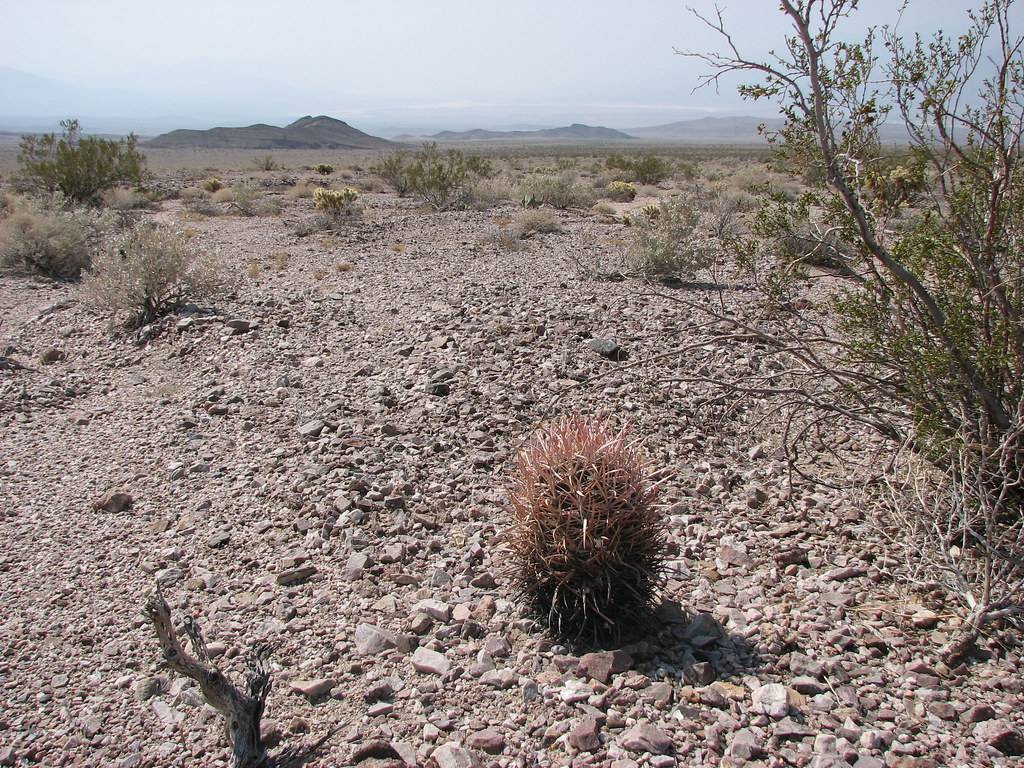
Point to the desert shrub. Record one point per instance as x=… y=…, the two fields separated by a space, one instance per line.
x=555 y=191
x=393 y=170
x=301 y=190
x=505 y=239
x=928 y=343
x=247 y=201
x=651 y=169
x=588 y=540
x=438 y=178
x=486 y=193
x=148 y=272
x=668 y=243
x=51 y=243
x=480 y=166
x=529 y=223
x=324 y=169
x=266 y=163
x=648 y=169
x=125 y=199
x=212 y=184
x=621 y=191
x=79 y=167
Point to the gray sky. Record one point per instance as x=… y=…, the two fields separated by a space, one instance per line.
x=382 y=65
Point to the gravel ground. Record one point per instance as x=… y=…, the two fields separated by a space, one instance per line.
x=326 y=471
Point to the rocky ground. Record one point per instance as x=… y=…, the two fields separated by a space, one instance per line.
x=320 y=462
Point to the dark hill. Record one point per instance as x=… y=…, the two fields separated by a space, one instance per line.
x=305 y=133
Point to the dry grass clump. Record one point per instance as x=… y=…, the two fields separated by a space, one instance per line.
x=38 y=241
x=247 y=201
x=533 y=222
x=148 y=272
x=125 y=199
x=302 y=190
x=487 y=193
x=588 y=540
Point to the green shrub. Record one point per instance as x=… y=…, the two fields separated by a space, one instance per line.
x=334 y=200
x=212 y=184
x=438 y=178
x=479 y=166
x=50 y=243
x=393 y=170
x=648 y=169
x=325 y=169
x=588 y=539
x=148 y=272
x=651 y=169
x=79 y=167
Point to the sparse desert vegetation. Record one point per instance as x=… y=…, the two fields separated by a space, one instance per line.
x=511 y=453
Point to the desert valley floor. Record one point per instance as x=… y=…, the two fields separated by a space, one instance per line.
x=320 y=461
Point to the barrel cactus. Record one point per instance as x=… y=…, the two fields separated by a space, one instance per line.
x=588 y=539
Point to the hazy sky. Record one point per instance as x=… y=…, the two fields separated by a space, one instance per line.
x=388 y=64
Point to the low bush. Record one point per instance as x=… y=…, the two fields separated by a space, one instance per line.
x=667 y=241
x=487 y=193
x=556 y=191
x=212 y=184
x=247 y=201
x=266 y=163
x=125 y=199
x=324 y=169
x=648 y=169
x=148 y=272
x=532 y=222
x=393 y=170
x=79 y=167
x=50 y=243
x=438 y=178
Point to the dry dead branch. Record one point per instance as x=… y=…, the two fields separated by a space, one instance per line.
x=242 y=710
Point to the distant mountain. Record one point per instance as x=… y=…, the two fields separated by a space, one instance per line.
x=710 y=130
x=574 y=132
x=305 y=133
x=735 y=130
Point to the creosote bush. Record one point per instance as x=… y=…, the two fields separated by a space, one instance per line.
x=393 y=171
x=79 y=167
x=324 y=169
x=149 y=272
x=588 y=539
